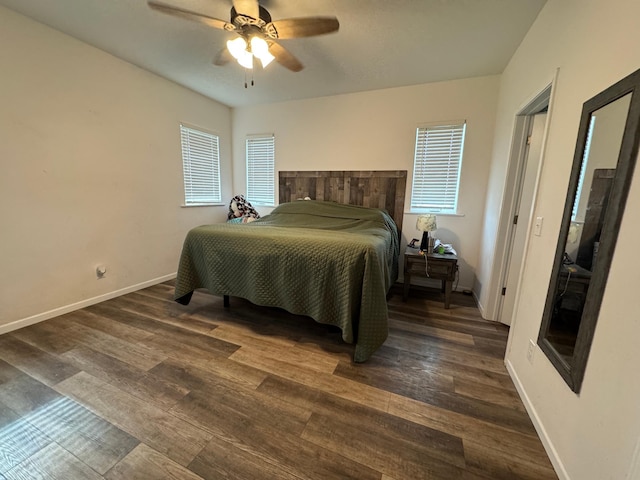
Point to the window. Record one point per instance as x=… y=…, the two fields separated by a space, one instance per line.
x=201 y=166
x=583 y=169
x=436 y=167
x=260 y=169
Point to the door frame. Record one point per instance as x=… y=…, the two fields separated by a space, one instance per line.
x=517 y=236
x=517 y=158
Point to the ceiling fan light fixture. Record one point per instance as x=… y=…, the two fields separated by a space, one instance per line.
x=260 y=49
x=259 y=46
x=246 y=60
x=249 y=19
x=266 y=59
x=237 y=47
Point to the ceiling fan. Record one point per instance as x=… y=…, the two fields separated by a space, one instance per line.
x=257 y=33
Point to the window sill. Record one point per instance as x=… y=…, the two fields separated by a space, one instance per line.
x=437 y=214
x=202 y=205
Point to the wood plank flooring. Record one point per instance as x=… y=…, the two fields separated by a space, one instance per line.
x=140 y=387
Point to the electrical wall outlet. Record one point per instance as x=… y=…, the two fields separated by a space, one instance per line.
x=531 y=351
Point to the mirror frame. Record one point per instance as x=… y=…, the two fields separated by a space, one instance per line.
x=573 y=371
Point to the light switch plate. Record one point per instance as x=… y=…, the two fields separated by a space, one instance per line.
x=537 y=228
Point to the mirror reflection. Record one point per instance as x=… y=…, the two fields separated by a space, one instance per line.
x=597 y=172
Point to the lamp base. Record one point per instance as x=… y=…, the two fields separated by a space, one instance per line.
x=424 y=244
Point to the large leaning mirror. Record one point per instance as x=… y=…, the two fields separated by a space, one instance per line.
x=603 y=164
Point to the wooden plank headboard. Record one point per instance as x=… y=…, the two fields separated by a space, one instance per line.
x=383 y=189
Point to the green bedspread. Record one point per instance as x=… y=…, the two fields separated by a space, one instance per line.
x=332 y=262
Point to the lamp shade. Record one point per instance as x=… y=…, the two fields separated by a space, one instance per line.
x=237 y=47
x=260 y=50
x=426 y=223
x=246 y=60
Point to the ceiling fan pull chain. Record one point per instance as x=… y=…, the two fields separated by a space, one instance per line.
x=245 y=79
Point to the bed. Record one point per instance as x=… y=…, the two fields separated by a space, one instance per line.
x=330 y=260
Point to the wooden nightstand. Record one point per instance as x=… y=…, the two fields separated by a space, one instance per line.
x=440 y=267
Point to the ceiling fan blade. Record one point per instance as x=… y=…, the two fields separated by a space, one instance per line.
x=303 y=27
x=196 y=17
x=284 y=57
x=247 y=7
x=222 y=57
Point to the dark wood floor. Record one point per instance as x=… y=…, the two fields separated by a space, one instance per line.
x=140 y=387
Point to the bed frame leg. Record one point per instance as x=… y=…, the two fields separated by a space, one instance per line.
x=226 y=301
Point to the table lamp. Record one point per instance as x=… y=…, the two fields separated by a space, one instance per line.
x=426 y=224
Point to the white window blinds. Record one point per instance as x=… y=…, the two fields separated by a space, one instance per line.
x=260 y=169
x=436 y=168
x=201 y=166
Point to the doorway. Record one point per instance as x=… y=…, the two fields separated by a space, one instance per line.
x=525 y=184
x=519 y=200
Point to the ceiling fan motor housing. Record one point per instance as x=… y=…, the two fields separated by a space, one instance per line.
x=240 y=19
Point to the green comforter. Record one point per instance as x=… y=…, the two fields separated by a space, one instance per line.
x=332 y=262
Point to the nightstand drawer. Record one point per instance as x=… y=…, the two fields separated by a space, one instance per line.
x=440 y=269
x=436 y=267
x=417 y=266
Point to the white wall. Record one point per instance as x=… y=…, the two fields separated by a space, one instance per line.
x=376 y=131
x=91 y=171
x=591 y=436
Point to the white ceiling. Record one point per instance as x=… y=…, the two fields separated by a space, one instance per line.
x=380 y=44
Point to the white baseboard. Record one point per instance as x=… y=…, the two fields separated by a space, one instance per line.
x=480 y=306
x=542 y=433
x=25 y=322
x=634 y=471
